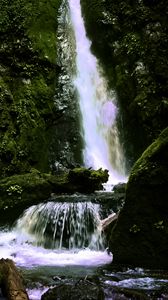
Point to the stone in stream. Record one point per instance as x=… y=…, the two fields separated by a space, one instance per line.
x=82 y=290
x=11 y=281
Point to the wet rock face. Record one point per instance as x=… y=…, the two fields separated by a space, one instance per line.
x=66 y=146
x=27 y=83
x=130 y=40
x=140 y=235
x=82 y=290
x=37 y=126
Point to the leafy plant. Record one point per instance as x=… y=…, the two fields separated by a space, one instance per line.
x=134 y=229
x=159 y=225
x=14 y=190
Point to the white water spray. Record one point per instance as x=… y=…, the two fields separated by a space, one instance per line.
x=98 y=107
x=56 y=234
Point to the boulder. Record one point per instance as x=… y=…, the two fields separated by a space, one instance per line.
x=88 y=180
x=11 y=281
x=82 y=290
x=140 y=235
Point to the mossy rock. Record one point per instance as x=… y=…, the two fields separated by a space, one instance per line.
x=140 y=236
x=21 y=191
x=87 y=179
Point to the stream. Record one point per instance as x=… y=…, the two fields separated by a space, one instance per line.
x=42 y=246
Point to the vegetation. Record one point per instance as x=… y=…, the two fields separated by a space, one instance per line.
x=28 y=73
x=18 y=192
x=84 y=177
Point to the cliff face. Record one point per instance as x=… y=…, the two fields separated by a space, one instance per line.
x=130 y=39
x=29 y=116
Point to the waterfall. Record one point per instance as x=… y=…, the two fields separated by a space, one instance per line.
x=56 y=234
x=63 y=225
x=97 y=105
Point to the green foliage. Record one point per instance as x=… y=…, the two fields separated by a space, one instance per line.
x=159 y=225
x=14 y=189
x=134 y=229
x=27 y=83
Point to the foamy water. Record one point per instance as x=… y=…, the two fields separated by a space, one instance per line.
x=56 y=234
x=20 y=248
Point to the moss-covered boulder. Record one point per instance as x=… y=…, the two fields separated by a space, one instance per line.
x=88 y=180
x=21 y=191
x=140 y=236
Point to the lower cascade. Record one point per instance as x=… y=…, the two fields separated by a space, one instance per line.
x=63 y=225
x=56 y=234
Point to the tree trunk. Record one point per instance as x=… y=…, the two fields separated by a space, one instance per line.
x=111 y=218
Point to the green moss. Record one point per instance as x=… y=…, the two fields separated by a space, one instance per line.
x=42 y=28
x=141 y=232
x=88 y=178
x=147 y=164
x=18 y=192
x=28 y=74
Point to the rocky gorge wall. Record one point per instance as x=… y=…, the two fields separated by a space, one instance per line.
x=31 y=122
x=130 y=40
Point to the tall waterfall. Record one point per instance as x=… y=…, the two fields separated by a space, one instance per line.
x=97 y=104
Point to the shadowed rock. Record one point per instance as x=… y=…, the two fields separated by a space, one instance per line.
x=82 y=290
x=140 y=236
x=11 y=281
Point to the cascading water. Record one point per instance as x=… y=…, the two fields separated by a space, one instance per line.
x=56 y=234
x=98 y=106
x=58 y=225
x=63 y=225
